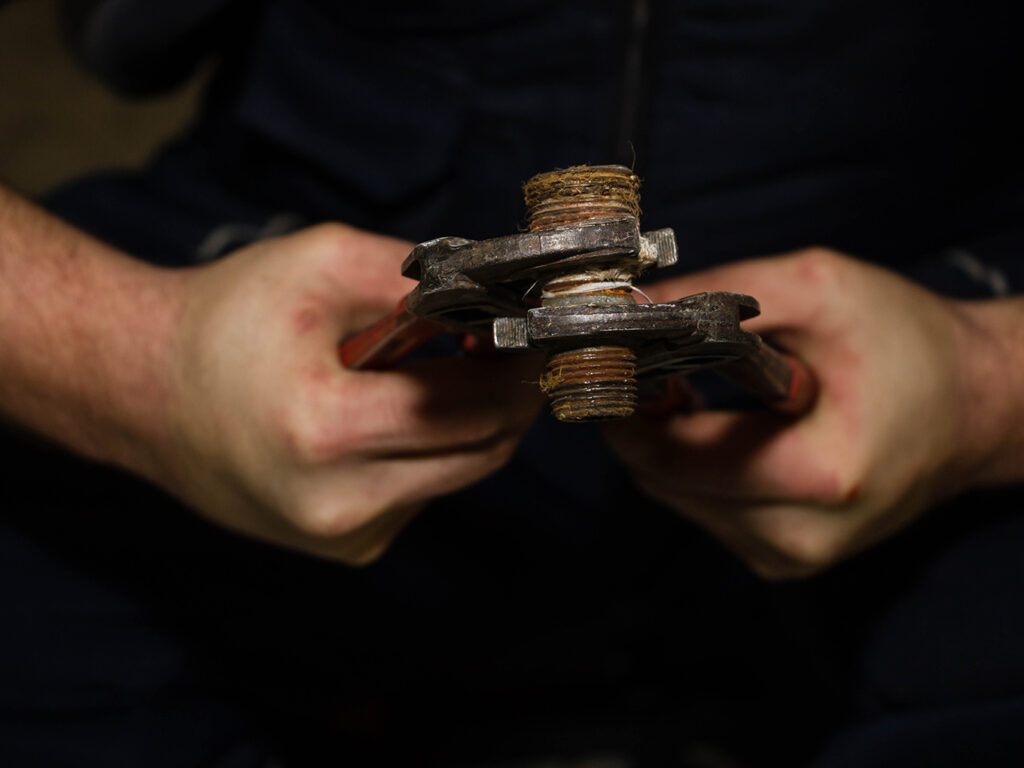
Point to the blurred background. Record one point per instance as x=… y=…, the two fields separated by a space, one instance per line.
x=56 y=121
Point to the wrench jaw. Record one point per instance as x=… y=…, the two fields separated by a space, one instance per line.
x=583 y=252
x=467 y=284
x=476 y=286
x=674 y=338
x=446 y=294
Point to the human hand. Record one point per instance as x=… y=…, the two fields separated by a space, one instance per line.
x=894 y=429
x=270 y=436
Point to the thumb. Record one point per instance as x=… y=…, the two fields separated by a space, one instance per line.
x=360 y=271
x=789 y=288
x=793 y=290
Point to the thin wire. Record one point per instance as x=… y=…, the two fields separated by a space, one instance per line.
x=649 y=299
x=603 y=285
x=595 y=287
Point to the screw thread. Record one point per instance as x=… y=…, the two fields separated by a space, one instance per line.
x=580 y=193
x=591 y=384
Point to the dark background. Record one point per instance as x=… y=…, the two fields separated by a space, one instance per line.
x=56 y=122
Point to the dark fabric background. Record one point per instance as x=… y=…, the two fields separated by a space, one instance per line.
x=549 y=610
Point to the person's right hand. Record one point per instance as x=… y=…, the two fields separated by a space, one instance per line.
x=270 y=436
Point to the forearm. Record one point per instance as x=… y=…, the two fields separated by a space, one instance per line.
x=86 y=335
x=991 y=347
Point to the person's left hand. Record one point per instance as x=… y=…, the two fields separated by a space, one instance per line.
x=894 y=427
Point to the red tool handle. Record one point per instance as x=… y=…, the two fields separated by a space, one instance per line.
x=388 y=340
x=781 y=381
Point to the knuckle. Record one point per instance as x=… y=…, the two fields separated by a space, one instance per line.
x=308 y=442
x=368 y=555
x=842 y=493
x=329 y=515
x=322 y=521
x=390 y=410
x=820 y=254
x=800 y=542
x=807 y=550
x=837 y=478
x=330 y=231
x=309 y=438
x=326 y=240
x=369 y=542
x=817 y=266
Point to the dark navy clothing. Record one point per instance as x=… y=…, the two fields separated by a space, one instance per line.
x=549 y=610
x=888 y=130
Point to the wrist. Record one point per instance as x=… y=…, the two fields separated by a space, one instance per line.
x=990 y=405
x=87 y=340
x=138 y=366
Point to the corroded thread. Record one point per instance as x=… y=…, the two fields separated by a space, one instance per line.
x=591 y=384
x=580 y=193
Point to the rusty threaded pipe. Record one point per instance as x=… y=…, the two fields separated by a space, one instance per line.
x=591 y=383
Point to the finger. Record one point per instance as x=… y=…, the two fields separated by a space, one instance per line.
x=441 y=405
x=355 y=521
x=792 y=291
x=322 y=284
x=803 y=539
x=777 y=540
x=334 y=504
x=364 y=545
x=375 y=283
x=359 y=272
x=359 y=546
x=411 y=479
x=747 y=456
x=790 y=288
x=365 y=260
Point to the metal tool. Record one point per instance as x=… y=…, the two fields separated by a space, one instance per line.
x=566 y=288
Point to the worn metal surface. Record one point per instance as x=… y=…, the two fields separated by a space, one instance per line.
x=671 y=338
x=583 y=382
x=566 y=288
x=468 y=283
x=580 y=193
x=591 y=383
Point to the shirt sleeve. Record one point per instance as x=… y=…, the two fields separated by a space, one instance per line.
x=989 y=264
x=139 y=47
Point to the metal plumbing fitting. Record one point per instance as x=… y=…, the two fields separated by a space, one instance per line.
x=591 y=383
